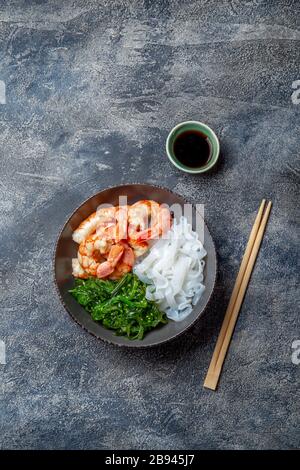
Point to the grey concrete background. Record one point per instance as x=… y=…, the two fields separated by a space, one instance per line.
x=92 y=89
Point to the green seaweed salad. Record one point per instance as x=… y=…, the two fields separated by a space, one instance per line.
x=119 y=305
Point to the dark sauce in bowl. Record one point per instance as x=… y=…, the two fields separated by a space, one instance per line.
x=192 y=149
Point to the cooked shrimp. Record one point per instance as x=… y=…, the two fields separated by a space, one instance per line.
x=125 y=264
x=107 y=229
x=148 y=220
x=140 y=214
x=77 y=270
x=139 y=247
x=111 y=238
x=121 y=232
x=92 y=252
x=89 y=225
x=107 y=267
x=115 y=228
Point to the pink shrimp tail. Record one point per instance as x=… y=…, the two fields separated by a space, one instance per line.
x=114 y=256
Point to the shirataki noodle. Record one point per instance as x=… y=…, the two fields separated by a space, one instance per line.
x=173 y=270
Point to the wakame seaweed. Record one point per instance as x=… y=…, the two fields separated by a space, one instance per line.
x=119 y=305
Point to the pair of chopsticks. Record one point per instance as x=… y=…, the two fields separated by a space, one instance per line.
x=237 y=296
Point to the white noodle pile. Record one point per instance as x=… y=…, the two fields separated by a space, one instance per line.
x=173 y=269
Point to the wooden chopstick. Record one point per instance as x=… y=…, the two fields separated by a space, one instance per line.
x=237 y=296
x=237 y=284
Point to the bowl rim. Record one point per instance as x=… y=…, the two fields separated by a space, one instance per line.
x=130 y=344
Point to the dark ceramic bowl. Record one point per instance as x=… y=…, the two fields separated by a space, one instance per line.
x=66 y=249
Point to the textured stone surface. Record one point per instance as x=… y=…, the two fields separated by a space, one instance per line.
x=92 y=89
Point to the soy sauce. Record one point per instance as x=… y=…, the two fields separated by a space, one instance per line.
x=192 y=148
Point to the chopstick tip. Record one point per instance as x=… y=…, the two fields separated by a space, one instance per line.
x=211 y=381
